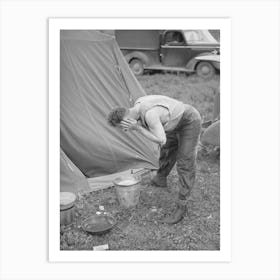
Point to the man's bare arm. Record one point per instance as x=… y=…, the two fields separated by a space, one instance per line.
x=156 y=131
x=152 y=134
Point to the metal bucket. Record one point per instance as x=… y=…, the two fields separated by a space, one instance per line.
x=128 y=190
x=67 y=208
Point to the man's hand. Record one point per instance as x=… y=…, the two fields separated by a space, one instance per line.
x=129 y=124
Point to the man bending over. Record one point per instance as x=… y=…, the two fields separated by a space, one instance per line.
x=173 y=125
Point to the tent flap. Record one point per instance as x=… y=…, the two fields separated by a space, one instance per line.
x=71 y=178
x=94 y=78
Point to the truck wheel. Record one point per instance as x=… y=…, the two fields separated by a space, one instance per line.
x=136 y=66
x=205 y=70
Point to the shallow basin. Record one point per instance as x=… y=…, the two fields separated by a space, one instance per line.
x=98 y=224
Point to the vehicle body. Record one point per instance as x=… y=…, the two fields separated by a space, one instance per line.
x=169 y=50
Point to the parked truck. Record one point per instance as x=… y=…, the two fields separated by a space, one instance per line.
x=168 y=50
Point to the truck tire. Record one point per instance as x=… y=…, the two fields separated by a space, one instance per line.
x=137 y=67
x=205 y=70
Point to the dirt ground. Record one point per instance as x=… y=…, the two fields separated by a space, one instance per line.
x=140 y=228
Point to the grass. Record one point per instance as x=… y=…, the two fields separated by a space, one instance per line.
x=139 y=228
x=192 y=90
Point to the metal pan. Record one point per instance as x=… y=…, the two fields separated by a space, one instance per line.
x=98 y=224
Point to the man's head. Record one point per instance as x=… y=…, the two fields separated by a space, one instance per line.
x=117 y=115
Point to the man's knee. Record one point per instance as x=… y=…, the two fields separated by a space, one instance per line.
x=186 y=161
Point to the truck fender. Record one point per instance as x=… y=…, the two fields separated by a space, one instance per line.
x=139 y=55
x=191 y=65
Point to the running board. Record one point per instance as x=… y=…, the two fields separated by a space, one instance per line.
x=166 y=68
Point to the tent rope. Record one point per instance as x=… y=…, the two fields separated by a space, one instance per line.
x=118 y=67
x=131 y=101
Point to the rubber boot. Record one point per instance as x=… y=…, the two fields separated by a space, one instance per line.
x=177 y=215
x=159 y=181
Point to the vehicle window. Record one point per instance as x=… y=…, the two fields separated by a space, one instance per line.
x=199 y=36
x=174 y=38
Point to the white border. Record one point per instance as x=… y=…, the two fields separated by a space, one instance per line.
x=55 y=255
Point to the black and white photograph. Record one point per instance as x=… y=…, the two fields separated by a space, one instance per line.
x=140 y=139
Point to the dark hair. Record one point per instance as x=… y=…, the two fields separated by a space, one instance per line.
x=116 y=115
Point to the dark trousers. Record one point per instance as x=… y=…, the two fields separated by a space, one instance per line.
x=180 y=147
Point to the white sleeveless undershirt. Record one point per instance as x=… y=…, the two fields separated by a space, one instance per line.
x=176 y=108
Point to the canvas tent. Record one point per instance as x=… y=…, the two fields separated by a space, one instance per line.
x=94 y=78
x=71 y=178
